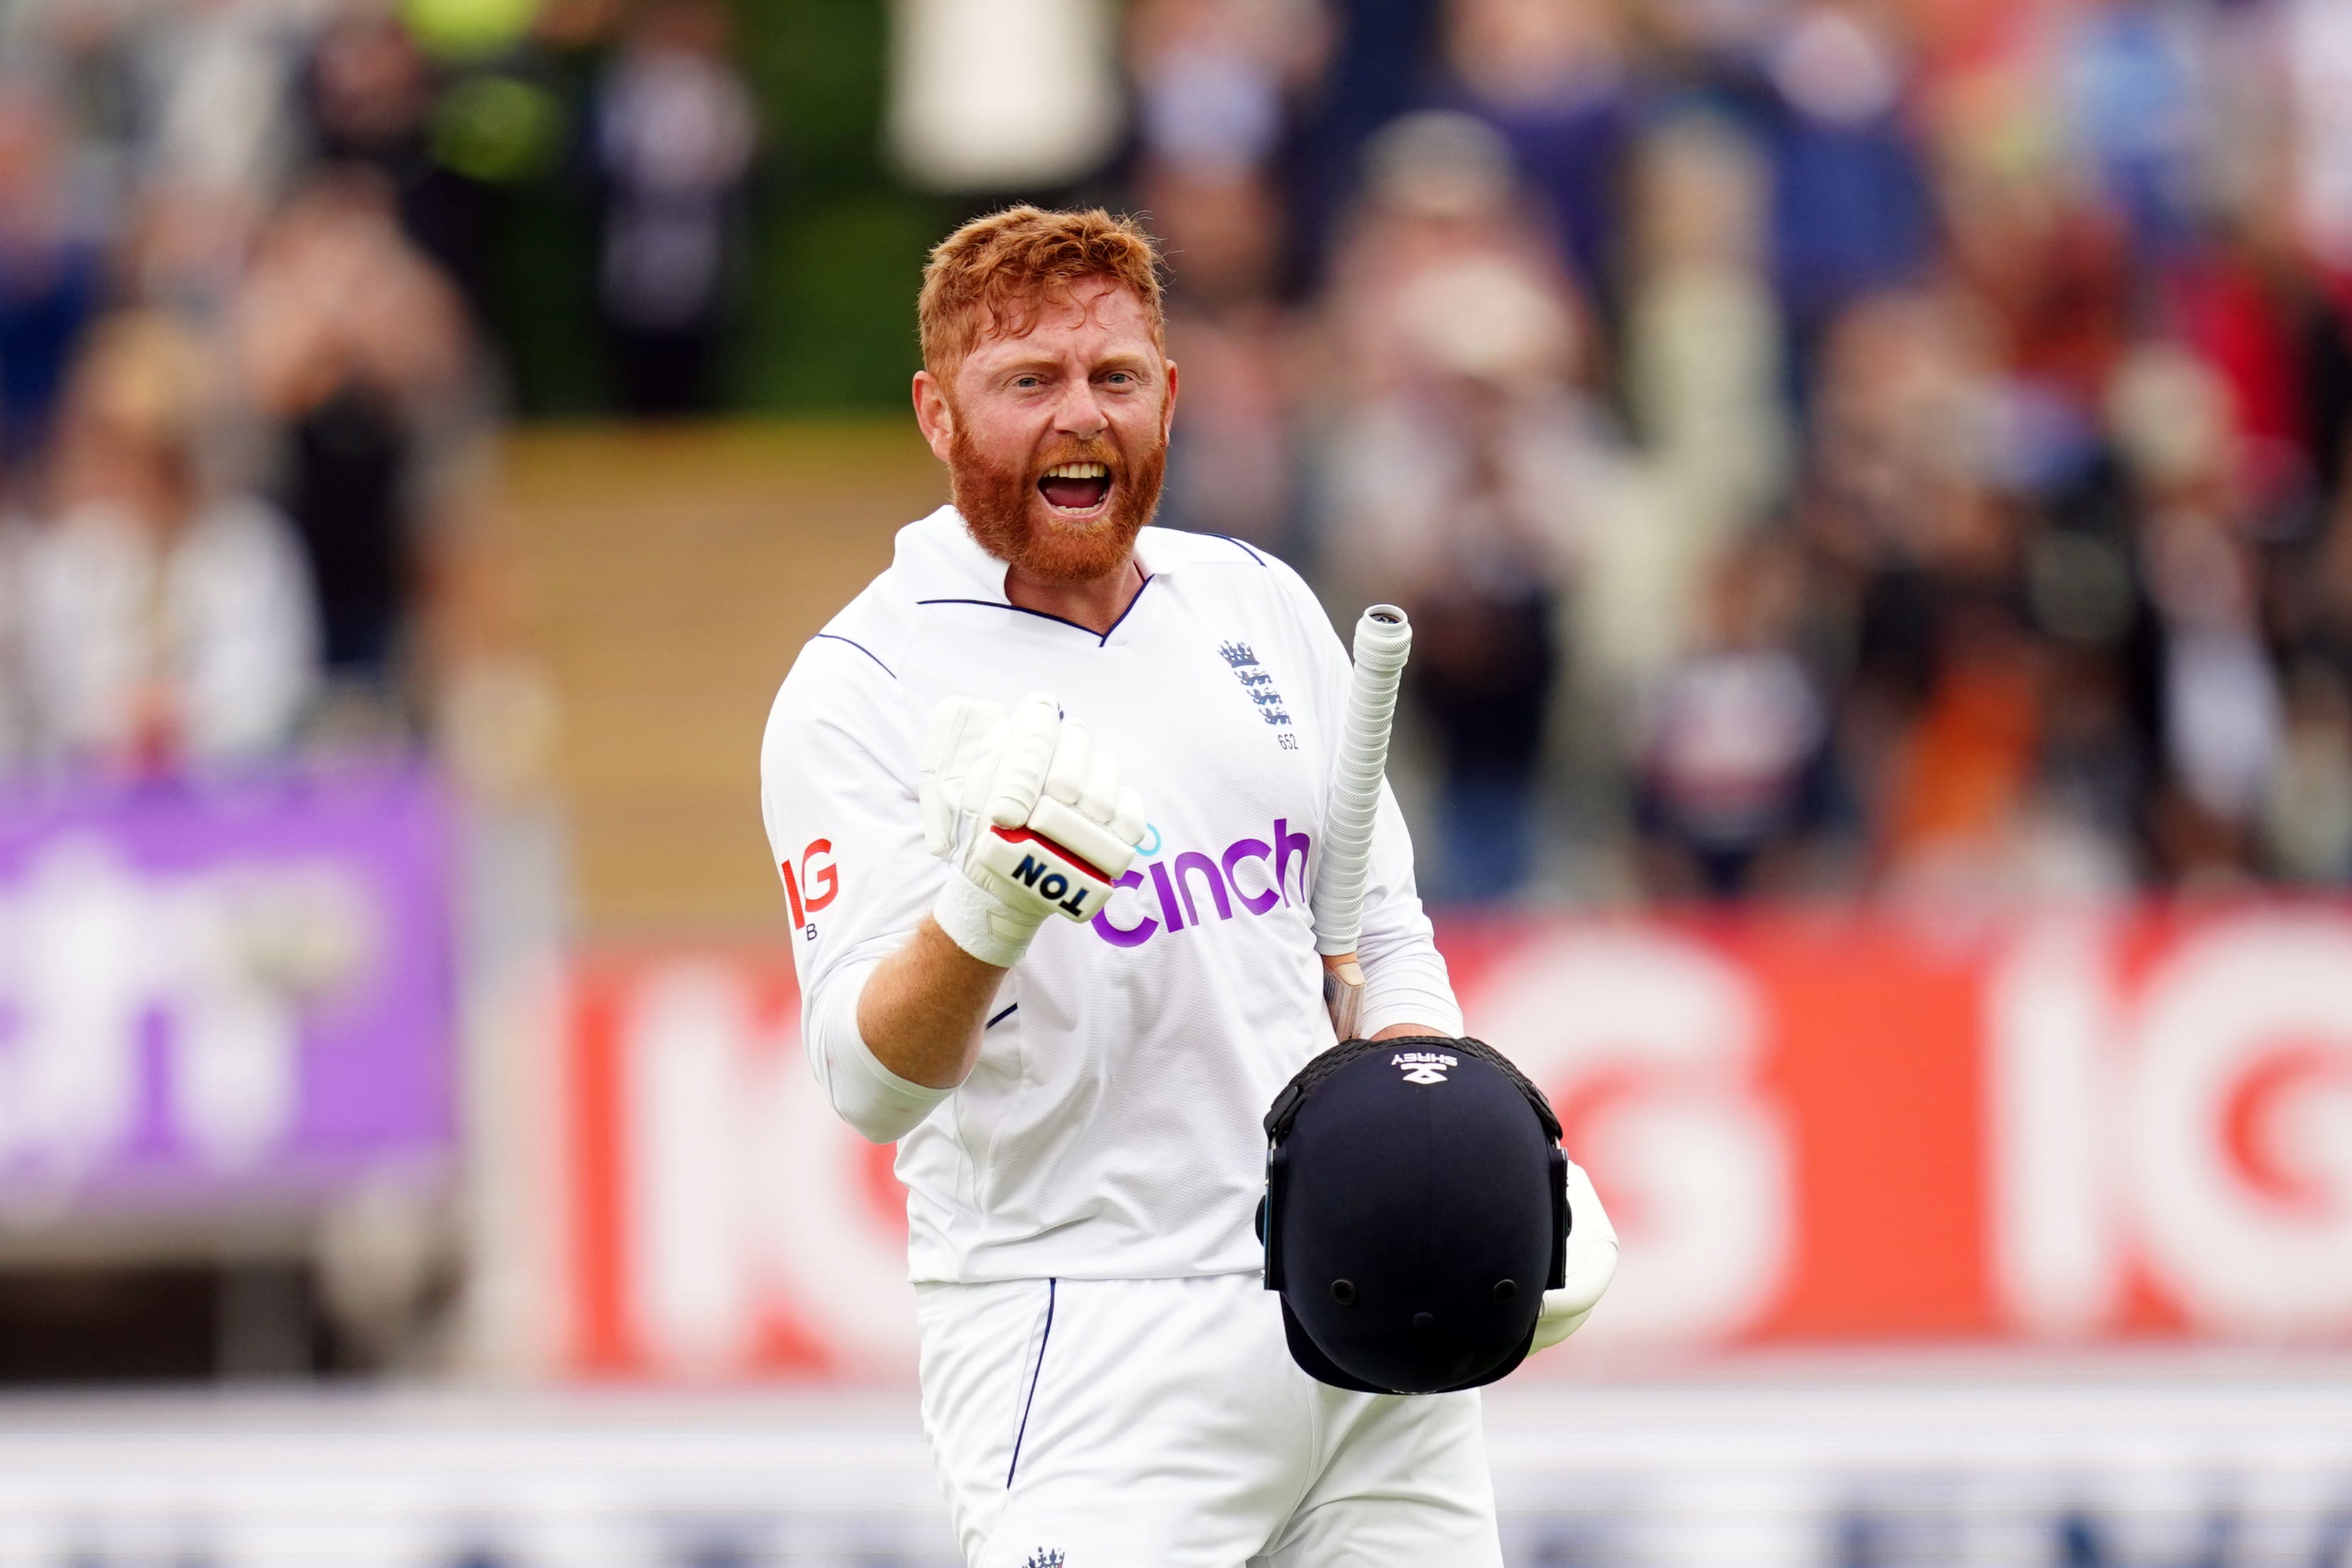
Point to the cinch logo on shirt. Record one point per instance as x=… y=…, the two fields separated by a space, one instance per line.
x=1191 y=889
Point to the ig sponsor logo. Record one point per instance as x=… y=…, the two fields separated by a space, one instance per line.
x=820 y=880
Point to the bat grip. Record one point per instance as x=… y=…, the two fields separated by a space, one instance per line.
x=1384 y=640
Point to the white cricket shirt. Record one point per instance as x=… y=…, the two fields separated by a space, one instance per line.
x=1112 y=1127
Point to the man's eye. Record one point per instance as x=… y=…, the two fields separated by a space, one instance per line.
x=1025 y=381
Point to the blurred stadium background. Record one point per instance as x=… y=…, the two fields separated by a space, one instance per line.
x=1870 y=475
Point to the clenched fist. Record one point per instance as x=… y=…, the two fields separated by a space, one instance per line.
x=1033 y=818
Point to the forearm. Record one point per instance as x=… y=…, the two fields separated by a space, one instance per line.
x=921 y=1009
x=1404 y=973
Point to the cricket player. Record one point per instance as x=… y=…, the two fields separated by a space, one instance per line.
x=1046 y=798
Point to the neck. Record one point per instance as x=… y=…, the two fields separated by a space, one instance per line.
x=1095 y=605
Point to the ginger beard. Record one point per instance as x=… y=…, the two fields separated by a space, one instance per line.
x=1009 y=516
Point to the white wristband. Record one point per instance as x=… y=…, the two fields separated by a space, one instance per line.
x=982 y=924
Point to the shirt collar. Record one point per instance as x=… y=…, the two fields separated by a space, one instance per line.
x=944 y=562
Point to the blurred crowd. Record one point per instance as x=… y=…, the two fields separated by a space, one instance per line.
x=1825 y=445
x=250 y=340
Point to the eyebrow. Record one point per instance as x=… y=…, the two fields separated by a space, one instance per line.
x=1120 y=361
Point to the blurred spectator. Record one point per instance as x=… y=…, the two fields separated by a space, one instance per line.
x=165 y=623
x=992 y=97
x=1702 y=380
x=1961 y=780
x=216 y=80
x=1464 y=467
x=1212 y=79
x=1216 y=85
x=2307 y=812
x=2129 y=76
x=1550 y=76
x=183 y=248
x=1702 y=359
x=1373 y=71
x=1735 y=761
x=354 y=348
x=2219 y=700
x=1852 y=209
x=2210 y=684
x=374 y=100
x=1233 y=465
x=2053 y=278
x=1443 y=258
x=2315 y=45
x=51 y=278
x=2246 y=305
x=674 y=139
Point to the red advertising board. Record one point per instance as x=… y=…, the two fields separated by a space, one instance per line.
x=1809 y=1128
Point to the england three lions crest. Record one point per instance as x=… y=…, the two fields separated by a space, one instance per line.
x=1258 y=683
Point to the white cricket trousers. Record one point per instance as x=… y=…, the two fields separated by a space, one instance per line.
x=1161 y=1424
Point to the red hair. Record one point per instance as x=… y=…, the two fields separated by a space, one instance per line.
x=995 y=272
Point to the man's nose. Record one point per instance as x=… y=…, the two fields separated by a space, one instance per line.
x=1080 y=413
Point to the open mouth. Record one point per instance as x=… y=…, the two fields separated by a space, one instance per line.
x=1076 y=489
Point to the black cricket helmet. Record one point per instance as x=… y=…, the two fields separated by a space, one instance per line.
x=1416 y=1211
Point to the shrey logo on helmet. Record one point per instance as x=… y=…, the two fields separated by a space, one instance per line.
x=1423 y=1067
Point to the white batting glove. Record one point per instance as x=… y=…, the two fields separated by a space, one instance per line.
x=1591 y=1263
x=1033 y=818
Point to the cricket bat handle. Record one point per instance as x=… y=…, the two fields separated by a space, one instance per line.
x=1383 y=642
x=1343 y=994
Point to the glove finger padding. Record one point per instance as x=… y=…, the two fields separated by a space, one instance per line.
x=1073 y=763
x=1099 y=799
x=1096 y=848
x=1127 y=821
x=1030 y=737
x=961 y=729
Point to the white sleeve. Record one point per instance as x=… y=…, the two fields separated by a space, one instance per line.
x=1404 y=974
x=1405 y=980
x=837 y=795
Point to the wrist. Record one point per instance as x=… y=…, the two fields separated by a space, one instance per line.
x=982 y=924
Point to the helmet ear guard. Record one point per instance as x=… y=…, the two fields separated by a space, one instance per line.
x=1269 y=1214
x=1563 y=1217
